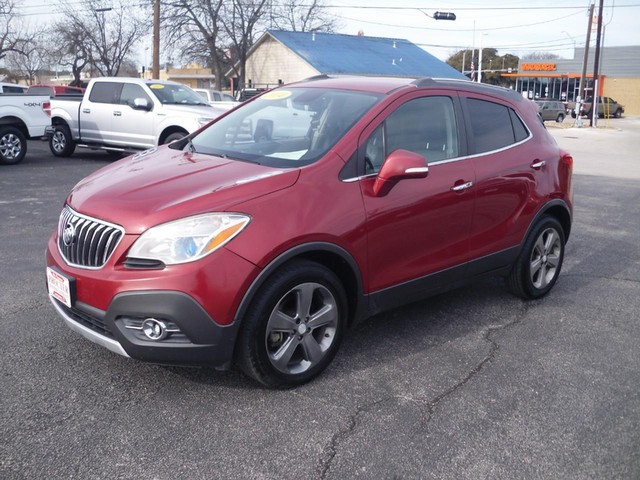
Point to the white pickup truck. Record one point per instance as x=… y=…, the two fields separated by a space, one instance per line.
x=126 y=114
x=22 y=117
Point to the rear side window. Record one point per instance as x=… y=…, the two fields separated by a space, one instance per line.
x=494 y=125
x=105 y=92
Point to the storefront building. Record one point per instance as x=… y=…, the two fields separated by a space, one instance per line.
x=560 y=78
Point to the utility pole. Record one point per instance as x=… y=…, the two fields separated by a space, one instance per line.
x=156 y=39
x=596 y=66
x=584 y=69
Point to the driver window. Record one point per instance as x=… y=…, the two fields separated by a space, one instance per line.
x=130 y=92
x=423 y=125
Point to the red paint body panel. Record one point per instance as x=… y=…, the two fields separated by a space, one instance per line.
x=419 y=227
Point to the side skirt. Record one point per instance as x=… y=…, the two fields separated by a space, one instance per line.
x=495 y=264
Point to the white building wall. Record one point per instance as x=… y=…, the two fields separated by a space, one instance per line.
x=272 y=61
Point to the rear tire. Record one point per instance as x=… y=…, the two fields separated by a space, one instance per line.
x=294 y=326
x=538 y=266
x=13 y=145
x=61 y=142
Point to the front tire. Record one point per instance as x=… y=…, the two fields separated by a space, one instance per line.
x=294 y=325
x=560 y=118
x=618 y=113
x=13 y=145
x=174 y=136
x=538 y=266
x=61 y=142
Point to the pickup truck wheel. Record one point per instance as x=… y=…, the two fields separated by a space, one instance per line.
x=13 y=145
x=61 y=143
x=618 y=113
x=174 y=136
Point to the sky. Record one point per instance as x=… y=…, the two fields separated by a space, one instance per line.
x=518 y=27
x=511 y=26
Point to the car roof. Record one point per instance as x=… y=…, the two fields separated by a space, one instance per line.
x=387 y=85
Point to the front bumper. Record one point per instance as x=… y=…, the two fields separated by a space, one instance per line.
x=198 y=341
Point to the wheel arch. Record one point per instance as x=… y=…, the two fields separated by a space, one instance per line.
x=557 y=209
x=329 y=255
x=170 y=130
x=15 y=122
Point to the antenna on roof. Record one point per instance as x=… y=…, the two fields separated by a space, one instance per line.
x=313 y=35
x=394 y=44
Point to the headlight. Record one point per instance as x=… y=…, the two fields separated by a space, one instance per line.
x=188 y=239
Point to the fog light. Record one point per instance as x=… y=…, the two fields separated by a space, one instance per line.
x=155 y=330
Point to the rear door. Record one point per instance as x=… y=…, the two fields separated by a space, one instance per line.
x=422 y=225
x=97 y=112
x=509 y=169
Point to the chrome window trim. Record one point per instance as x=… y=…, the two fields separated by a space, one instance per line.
x=466 y=157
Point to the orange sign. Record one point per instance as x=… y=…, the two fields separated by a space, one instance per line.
x=538 y=67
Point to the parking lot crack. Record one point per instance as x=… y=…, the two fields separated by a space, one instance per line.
x=427 y=406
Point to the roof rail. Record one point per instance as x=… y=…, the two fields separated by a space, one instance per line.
x=424 y=82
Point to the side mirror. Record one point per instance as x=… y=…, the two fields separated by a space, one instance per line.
x=399 y=165
x=142 y=104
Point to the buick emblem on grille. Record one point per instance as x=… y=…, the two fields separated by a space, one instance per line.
x=69 y=234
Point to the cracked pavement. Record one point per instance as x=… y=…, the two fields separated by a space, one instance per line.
x=470 y=384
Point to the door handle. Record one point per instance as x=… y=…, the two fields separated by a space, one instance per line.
x=460 y=188
x=117 y=114
x=538 y=165
x=86 y=110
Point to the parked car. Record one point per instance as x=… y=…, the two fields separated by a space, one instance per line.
x=54 y=90
x=12 y=88
x=607 y=107
x=261 y=238
x=551 y=110
x=22 y=117
x=120 y=114
x=217 y=98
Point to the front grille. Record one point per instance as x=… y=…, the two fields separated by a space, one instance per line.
x=94 y=323
x=84 y=241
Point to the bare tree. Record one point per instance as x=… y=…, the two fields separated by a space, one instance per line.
x=195 y=25
x=27 y=64
x=109 y=32
x=14 y=35
x=294 y=16
x=70 y=49
x=242 y=19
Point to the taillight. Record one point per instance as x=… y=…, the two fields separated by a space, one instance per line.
x=567 y=160
x=46 y=106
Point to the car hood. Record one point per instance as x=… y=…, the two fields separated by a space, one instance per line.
x=160 y=185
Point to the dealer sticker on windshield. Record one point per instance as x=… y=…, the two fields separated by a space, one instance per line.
x=276 y=95
x=59 y=287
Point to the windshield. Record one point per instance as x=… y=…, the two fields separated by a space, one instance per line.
x=285 y=126
x=172 y=94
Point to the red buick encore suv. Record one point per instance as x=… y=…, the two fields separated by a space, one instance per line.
x=259 y=239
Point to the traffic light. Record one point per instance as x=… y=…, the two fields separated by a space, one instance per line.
x=444 y=16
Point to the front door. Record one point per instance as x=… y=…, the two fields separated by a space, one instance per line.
x=421 y=226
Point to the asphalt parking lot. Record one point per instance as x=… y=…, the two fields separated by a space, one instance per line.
x=471 y=384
